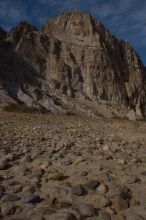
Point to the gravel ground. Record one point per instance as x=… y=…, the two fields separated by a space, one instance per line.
x=71 y=168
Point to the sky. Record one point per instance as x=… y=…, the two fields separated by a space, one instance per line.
x=124 y=18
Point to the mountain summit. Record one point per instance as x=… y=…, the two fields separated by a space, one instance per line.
x=73 y=64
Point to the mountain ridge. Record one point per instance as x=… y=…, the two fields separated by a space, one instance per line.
x=74 y=58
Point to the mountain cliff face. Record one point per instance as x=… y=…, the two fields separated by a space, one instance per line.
x=3 y=34
x=73 y=64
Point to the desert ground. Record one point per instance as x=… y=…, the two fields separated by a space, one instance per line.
x=71 y=168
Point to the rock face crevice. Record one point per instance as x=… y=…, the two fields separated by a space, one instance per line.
x=75 y=60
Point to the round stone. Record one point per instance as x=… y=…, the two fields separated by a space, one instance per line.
x=103 y=188
x=10 y=198
x=66 y=162
x=84 y=173
x=93 y=184
x=122 y=191
x=143 y=173
x=104 y=202
x=104 y=216
x=87 y=210
x=129 y=179
x=78 y=190
x=38 y=172
x=16 y=189
x=7 y=209
x=119 y=203
x=31 y=199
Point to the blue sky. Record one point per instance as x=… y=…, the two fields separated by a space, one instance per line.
x=124 y=18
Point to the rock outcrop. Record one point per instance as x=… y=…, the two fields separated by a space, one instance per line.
x=75 y=62
x=3 y=34
x=23 y=28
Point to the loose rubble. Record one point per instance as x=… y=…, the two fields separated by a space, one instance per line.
x=71 y=168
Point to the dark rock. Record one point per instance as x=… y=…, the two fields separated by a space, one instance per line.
x=38 y=172
x=99 y=168
x=78 y=190
x=1 y=192
x=143 y=173
x=119 y=204
x=67 y=162
x=136 y=160
x=12 y=183
x=129 y=179
x=104 y=216
x=45 y=211
x=10 y=198
x=28 y=206
x=16 y=189
x=27 y=158
x=84 y=173
x=3 y=164
x=10 y=157
x=121 y=191
x=93 y=184
x=87 y=210
x=104 y=202
x=36 y=182
x=7 y=209
x=32 y=199
x=58 y=191
x=23 y=170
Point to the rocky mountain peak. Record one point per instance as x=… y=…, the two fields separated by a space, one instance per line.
x=21 y=29
x=74 y=22
x=76 y=61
